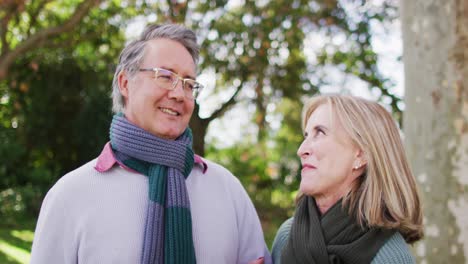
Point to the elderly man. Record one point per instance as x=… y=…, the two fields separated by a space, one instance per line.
x=148 y=198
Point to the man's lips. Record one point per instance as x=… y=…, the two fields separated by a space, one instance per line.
x=169 y=111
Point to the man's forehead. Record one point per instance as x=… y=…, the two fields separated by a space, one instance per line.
x=170 y=55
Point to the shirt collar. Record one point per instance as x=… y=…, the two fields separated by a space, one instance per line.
x=107 y=160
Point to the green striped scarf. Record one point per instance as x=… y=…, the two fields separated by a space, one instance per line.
x=167 y=163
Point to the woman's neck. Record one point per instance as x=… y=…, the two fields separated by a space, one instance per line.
x=325 y=202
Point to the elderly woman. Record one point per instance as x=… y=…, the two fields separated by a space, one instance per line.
x=358 y=201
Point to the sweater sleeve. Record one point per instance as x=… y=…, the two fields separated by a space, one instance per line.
x=53 y=242
x=280 y=241
x=252 y=244
x=395 y=250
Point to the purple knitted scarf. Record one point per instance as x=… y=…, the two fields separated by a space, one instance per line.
x=167 y=163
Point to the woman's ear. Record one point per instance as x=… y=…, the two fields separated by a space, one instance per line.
x=360 y=161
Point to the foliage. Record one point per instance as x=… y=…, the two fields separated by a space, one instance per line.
x=54 y=103
x=59 y=120
x=257 y=52
x=268 y=55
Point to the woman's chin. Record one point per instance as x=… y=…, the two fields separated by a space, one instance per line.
x=307 y=189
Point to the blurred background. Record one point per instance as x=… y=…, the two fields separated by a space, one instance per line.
x=259 y=61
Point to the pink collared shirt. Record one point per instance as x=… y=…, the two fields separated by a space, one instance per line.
x=107 y=159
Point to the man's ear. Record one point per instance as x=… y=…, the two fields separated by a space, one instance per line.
x=122 y=80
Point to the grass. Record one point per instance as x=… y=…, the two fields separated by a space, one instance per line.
x=15 y=241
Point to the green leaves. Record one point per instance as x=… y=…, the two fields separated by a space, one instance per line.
x=269 y=55
x=54 y=103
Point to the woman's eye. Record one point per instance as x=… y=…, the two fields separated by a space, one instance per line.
x=318 y=132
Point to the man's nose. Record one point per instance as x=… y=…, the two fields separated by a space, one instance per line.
x=178 y=92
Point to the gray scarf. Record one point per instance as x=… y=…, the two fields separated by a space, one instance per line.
x=334 y=237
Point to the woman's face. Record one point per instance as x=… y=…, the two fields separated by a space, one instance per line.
x=328 y=157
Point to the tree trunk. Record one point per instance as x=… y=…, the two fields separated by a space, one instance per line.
x=435 y=41
x=199 y=128
x=260 y=110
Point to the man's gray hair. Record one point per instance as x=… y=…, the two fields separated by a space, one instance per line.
x=132 y=55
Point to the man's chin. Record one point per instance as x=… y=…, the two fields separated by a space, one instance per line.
x=169 y=134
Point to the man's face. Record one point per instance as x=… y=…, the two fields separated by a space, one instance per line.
x=161 y=112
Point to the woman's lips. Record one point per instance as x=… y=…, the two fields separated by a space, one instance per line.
x=308 y=167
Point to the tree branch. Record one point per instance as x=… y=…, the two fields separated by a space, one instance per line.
x=3 y=31
x=224 y=107
x=9 y=9
x=69 y=42
x=34 y=13
x=177 y=11
x=171 y=15
x=30 y=43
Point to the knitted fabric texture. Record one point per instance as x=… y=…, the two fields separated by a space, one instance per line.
x=395 y=249
x=167 y=163
x=334 y=237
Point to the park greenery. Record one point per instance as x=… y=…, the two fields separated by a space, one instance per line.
x=57 y=62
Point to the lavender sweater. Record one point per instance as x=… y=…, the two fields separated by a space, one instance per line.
x=93 y=217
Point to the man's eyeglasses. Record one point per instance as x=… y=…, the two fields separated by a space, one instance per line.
x=167 y=79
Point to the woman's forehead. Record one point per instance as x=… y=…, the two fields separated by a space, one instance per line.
x=322 y=115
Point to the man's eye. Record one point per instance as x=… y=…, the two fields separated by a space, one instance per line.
x=189 y=85
x=165 y=77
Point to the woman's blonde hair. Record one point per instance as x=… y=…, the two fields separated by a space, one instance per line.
x=386 y=194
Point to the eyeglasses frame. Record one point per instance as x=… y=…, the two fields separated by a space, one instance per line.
x=196 y=89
